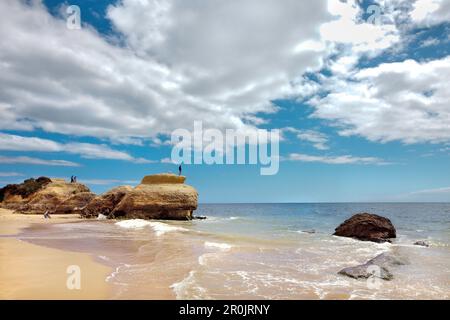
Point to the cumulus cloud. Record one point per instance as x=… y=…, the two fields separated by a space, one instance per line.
x=221 y=62
x=37 y=161
x=9 y=142
x=430 y=11
x=406 y=101
x=345 y=159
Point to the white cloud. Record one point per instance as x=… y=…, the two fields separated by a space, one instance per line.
x=106 y=182
x=430 y=11
x=432 y=191
x=348 y=28
x=221 y=62
x=11 y=142
x=406 y=101
x=10 y=174
x=318 y=139
x=345 y=159
x=37 y=161
x=167 y=161
x=430 y=42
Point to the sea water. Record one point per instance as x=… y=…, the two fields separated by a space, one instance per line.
x=263 y=251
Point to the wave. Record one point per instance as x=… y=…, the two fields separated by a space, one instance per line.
x=159 y=227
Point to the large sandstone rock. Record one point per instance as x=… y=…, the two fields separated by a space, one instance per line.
x=104 y=204
x=367 y=227
x=162 y=196
x=51 y=195
x=15 y=193
x=75 y=203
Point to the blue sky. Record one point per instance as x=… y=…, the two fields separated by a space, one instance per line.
x=363 y=109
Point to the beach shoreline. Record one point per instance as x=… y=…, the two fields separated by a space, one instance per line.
x=29 y=271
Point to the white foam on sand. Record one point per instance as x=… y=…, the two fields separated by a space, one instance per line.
x=218 y=245
x=133 y=224
x=159 y=227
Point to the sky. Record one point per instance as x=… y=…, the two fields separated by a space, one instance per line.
x=358 y=89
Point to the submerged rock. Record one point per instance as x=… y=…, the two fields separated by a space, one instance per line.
x=162 y=196
x=366 y=271
x=378 y=266
x=422 y=243
x=44 y=194
x=367 y=227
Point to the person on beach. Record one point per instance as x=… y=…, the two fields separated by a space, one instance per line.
x=179 y=170
x=71 y=179
x=47 y=215
x=74 y=179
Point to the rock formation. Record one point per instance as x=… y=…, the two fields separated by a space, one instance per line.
x=367 y=227
x=104 y=204
x=44 y=194
x=382 y=264
x=75 y=203
x=162 y=196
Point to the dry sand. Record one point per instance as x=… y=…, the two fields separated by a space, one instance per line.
x=28 y=271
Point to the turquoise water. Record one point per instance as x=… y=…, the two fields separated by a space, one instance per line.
x=264 y=251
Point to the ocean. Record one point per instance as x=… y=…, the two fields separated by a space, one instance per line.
x=263 y=251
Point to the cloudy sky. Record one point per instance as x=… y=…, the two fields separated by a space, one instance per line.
x=359 y=90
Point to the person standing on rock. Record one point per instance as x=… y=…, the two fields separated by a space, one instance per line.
x=179 y=170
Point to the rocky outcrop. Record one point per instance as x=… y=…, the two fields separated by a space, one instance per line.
x=75 y=203
x=104 y=204
x=378 y=267
x=44 y=194
x=17 y=192
x=367 y=227
x=162 y=196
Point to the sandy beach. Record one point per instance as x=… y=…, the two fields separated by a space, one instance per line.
x=28 y=271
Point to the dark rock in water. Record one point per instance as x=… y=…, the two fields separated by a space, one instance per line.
x=366 y=271
x=309 y=231
x=367 y=227
x=422 y=243
x=199 y=218
x=378 y=266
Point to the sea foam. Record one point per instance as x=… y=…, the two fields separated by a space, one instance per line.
x=159 y=227
x=218 y=245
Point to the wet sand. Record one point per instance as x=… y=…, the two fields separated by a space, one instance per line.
x=28 y=271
